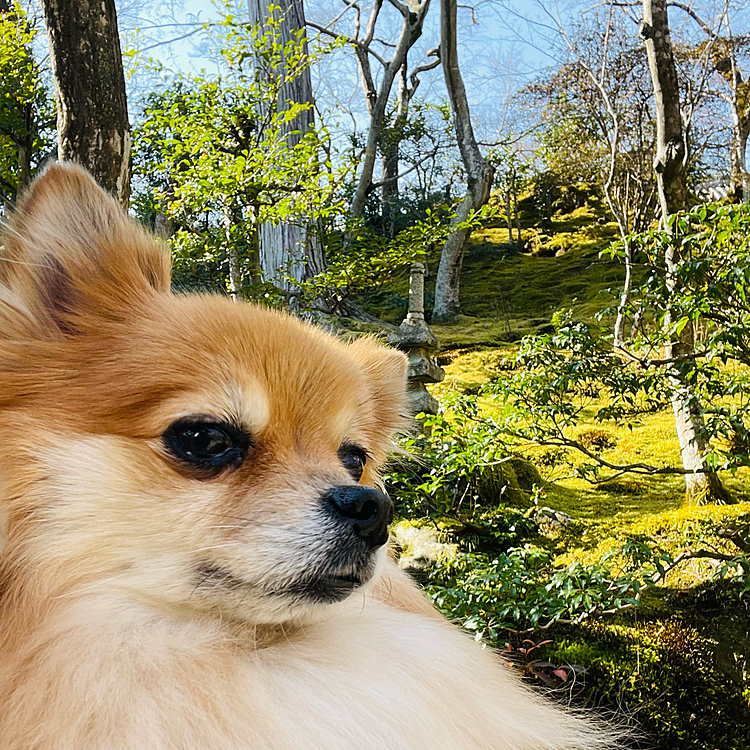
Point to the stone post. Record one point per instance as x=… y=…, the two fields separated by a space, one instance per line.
x=419 y=343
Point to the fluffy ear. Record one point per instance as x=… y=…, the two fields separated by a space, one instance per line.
x=386 y=371
x=70 y=254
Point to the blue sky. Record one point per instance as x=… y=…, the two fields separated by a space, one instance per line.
x=499 y=45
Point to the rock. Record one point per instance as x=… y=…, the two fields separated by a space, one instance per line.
x=412 y=332
x=421 y=547
x=552 y=520
x=419 y=399
x=422 y=368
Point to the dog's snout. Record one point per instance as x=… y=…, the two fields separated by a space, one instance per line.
x=367 y=510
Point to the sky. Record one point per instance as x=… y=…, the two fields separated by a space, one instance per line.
x=496 y=53
x=503 y=44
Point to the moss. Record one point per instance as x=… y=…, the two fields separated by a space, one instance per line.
x=663 y=673
x=504 y=289
x=679 y=664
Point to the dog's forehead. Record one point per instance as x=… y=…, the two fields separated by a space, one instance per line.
x=264 y=370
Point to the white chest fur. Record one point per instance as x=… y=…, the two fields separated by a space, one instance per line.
x=370 y=677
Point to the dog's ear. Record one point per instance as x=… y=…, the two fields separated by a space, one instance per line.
x=385 y=369
x=71 y=254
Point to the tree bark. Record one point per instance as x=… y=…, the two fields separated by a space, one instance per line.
x=389 y=149
x=509 y=215
x=293 y=249
x=377 y=100
x=479 y=173
x=738 y=174
x=92 y=113
x=25 y=147
x=669 y=165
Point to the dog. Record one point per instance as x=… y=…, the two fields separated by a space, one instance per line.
x=193 y=531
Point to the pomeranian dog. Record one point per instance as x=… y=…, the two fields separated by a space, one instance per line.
x=193 y=550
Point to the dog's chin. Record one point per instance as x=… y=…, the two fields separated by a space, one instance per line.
x=327 y=588
x=272 y=601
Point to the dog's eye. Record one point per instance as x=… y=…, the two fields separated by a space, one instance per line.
x=205 y=445
x=354 y=459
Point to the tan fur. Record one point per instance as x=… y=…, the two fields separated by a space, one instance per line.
x=107 y=642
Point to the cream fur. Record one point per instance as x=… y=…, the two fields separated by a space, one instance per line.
x=111 y=638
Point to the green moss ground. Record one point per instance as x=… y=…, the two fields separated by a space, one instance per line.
x=678 y=665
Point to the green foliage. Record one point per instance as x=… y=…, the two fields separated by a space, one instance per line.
x=507 y=580
x=664 y=675
x=26 y=110
x=359 y=260
x=221 y=154
x=523 y=589
x=461 y=478
x=560 y=376
x=706 y=291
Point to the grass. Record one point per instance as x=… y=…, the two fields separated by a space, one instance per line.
x=505 y=291
x=628 y=504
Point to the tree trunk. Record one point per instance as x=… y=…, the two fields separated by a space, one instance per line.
x=669 y=164
x=92 y=113
x=479 y=173
x=389 y=188
x=377 y=101
x=25 y=147
x=739 y=177
x=289 y=249
x=389 y=149
x=509 y=215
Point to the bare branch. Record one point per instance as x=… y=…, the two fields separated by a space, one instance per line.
x=400 y=7
x=170 y=41
x=414 y=166
x=349 y=40
x=693 y=15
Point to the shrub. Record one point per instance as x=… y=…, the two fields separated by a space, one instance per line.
x=596 y=439
x=664 y=675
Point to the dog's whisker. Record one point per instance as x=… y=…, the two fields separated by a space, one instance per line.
x=223 y=545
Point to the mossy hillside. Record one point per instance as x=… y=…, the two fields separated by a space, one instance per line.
x=631 y=503
x=508 y=290
x=629 y=668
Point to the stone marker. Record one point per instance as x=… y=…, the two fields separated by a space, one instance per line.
x=417 y=340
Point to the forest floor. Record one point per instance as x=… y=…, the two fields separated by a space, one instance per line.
x=508 y=293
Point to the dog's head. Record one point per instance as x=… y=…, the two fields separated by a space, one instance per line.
x=186 y=451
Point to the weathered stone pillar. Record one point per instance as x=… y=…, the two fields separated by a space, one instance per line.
x=417 y=340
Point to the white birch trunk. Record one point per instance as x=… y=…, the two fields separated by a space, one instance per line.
x=701 y=484
x=479 y=172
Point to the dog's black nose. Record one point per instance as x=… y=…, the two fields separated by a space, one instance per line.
x=367 y=510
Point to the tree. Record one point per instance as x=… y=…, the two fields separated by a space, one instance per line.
x=670 y=162
x=479 y=173
x=378 y=97
x=289 y=252
x=26 y=113
x=216 y=154
x=92 y=113
x=727 y=53
x=393 y=135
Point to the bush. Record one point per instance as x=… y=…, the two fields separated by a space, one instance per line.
x=596 y=439
x=664 y=675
